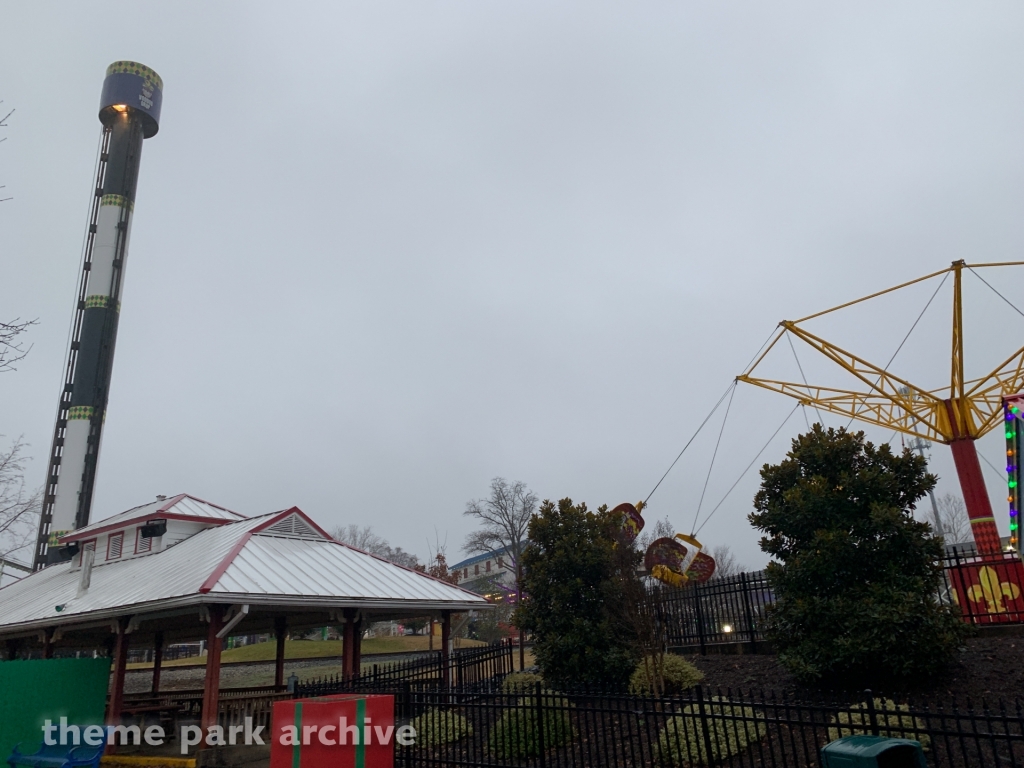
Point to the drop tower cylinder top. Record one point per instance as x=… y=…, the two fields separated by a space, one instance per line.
x=132 y=86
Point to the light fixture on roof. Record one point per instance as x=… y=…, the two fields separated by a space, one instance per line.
x=153 y=528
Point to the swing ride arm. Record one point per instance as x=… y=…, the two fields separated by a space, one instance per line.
x=886 y=400
x=875 y=408
x=956 y=415
x=987 y=393
x=963 y=410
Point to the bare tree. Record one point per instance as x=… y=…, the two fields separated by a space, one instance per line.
x=11 y=349
x=19 y=508
x=361 y=538
x=3 y=124
x=725 y=562
x=437 y=566
x=504 y=518
x=660 y=530
x=956 y=525
x=365 y=539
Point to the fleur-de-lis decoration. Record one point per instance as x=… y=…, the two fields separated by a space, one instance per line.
x=992 y=591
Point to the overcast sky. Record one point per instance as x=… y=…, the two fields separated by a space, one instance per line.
x=384 y=252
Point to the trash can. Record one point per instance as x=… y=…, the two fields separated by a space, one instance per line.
x=872 y=752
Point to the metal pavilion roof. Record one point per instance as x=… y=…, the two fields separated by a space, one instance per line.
x=281 y=559
x=180 y=507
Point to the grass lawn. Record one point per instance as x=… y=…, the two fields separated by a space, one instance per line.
x=315 y=649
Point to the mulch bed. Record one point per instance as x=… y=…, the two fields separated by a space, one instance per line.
x=988 y=668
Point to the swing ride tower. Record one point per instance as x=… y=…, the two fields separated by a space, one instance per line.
x=130 y=113
x=957 y=414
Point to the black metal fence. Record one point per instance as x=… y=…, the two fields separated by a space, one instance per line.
x=170 y=653
x=729 y=610
x=465 y=668
x=986 y=590
x=547 y=729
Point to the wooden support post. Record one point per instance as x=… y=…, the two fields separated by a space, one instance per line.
x=348 y=644
x=446 y=638
x=119 y=662
x=13 y=649
x=48 y=643
x=158 y=660
x=519 y=600
x=211 y=692
x=357 y=646
x=281 y=634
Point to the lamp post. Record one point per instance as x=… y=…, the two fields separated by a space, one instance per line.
x=919 y=444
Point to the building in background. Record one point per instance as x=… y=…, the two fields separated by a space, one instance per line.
x=12 y=570
x=491 y=574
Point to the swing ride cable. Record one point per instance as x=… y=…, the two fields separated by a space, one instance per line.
x=997 y=293
x=713 y=455
x=756 y=354
x=731 y=385
x=1015 y=309
x=936 y=293
x=747 y=469
x=802 y=376
x=806 y=420
x=998 y=473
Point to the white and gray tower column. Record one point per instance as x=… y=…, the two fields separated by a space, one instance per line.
x=130 y=112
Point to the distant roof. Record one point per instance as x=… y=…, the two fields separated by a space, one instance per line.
x=482 y=558
x=15 y=564
x=279 y=559
x=180 y=507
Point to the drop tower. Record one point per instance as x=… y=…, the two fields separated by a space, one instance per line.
x=130 y=114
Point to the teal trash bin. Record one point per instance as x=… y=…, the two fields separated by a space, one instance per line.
x=872 y=752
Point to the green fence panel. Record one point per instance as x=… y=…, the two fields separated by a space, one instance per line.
x=33 y=691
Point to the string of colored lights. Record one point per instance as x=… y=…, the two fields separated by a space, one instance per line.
x=1014 y=439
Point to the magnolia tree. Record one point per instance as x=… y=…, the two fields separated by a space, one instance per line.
x=856 y=577
x=575 y=594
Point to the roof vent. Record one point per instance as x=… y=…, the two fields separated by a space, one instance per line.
x=161 y=498
x=293 y=525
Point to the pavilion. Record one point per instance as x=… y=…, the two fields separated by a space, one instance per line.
x=183 y=569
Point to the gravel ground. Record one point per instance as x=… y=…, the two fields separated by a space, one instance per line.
x=244 y=675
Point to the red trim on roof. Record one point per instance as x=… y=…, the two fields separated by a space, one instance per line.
x=223 y=565
x=161 y=511
x=181 y=496
x=170 y=503
x=74 y=536
x=293 y=511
